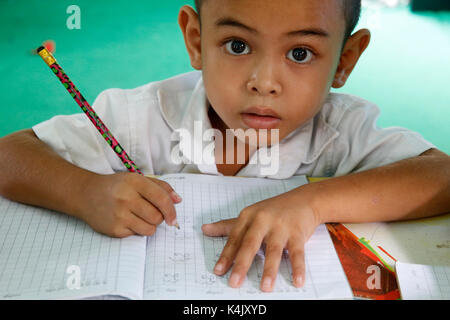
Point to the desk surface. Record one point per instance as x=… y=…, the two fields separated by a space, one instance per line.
x=359 y=246
x=421 y=241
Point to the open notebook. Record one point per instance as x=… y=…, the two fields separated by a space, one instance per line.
x=49 y=255
x=423 y=282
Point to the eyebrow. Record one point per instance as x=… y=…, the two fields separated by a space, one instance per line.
x=303 y=32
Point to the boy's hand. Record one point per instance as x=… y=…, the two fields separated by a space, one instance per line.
x=124 y=204
x=285 y=221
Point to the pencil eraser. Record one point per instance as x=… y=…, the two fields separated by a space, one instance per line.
x=50 y=45
x=39 y=49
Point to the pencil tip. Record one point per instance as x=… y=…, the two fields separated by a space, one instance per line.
x=177 y=226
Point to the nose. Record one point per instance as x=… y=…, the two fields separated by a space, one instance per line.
x=263 y=79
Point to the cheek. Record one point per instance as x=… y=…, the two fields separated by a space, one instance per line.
x=222 y=84
x=219 y=89
x=221 y=97
x=305 y=97
x=311 y=88
x=222 y=71
x=305 y=100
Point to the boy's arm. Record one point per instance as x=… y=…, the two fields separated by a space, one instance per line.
x=118 y=205
x=33 y=173
x=412 y=188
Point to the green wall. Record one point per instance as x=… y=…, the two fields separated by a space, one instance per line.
x=128 y=43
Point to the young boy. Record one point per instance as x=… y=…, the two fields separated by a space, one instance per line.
x=264 y=65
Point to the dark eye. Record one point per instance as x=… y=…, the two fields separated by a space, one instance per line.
x=236 y=47
x=300 y=55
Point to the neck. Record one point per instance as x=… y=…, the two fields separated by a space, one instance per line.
x=229 y=146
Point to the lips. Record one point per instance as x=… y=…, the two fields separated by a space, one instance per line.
x=260 y=118
x=262 y=111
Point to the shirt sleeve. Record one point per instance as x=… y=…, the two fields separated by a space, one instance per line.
x=77 y=140
x=363 y=145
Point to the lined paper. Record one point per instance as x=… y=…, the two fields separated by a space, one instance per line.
x=423 y=282
x=37 y=247
x=179 y=263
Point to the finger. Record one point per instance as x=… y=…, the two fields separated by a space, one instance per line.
x=251 y=243
x=296 y=252
x=175 y=196
x=160 y=198
x=139 y=226
x=219 y=229
x=229 y=251
x=131 y=232
x=274 y=250
x=121 y=233
x=147 y=212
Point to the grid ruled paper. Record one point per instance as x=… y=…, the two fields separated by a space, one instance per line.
x=37 y=246
x=423 y=282
x=179 y=263
x=39 y=249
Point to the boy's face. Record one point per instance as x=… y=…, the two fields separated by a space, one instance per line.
x=284 y=66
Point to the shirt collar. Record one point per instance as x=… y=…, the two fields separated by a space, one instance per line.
x=187 y=111
x=181 y=109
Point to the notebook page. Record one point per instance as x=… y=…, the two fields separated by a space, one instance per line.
x=180 y=263
x=42 y=252
x=423 y=282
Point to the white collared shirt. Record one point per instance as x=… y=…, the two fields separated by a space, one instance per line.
x=341 y=138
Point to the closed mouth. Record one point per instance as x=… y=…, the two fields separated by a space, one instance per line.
x=262 y=112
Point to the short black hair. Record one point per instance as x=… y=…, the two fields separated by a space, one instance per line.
x=352 y=12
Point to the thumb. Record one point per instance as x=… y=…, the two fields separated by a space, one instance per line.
x=219 y=228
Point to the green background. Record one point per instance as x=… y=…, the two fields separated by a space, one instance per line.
x=125 y=44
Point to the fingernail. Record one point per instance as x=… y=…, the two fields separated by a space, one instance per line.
x=298 y=281
x=234 y=280
x=176 y=196
x=174 y=223
x=267 y=283
x=218 y=268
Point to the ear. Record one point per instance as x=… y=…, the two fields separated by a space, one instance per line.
x=190 y=27
x=353 y=49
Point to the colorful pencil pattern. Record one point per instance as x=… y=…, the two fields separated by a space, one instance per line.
x=87 y=109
